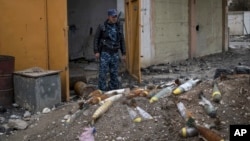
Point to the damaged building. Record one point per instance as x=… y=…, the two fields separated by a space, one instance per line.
x=51 y=33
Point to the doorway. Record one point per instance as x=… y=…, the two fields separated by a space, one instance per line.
x=83 y=20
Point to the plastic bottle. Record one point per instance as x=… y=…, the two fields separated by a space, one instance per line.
x=164 y=92
x=133 y=115
x=182 y=109
x=186 y=86
x=216 y=95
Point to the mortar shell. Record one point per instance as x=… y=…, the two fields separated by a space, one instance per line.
x=79 y=88
x=188 y=132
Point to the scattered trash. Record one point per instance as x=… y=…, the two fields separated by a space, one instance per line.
x=209 y=108
x=164 y=85
x=15 y=117
x=66 y=117
x=216 y=95
x=46 y=110
x=71 y=118
x=242 y=70
x=220 y=72
x=26 y=114
x=186 y=86
x=88 y=134
x=17 y=124
x=15 y=105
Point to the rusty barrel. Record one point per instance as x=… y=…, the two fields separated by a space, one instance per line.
x=6 y=80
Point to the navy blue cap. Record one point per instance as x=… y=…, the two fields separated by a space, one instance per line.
x=112 y=12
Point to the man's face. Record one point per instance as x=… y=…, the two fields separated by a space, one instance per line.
x=112 y=19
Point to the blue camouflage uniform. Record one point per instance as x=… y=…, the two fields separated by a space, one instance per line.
x=108 y=40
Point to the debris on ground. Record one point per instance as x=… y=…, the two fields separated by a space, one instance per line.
x=163 y=120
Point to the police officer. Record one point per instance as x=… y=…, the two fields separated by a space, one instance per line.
x=108 y=40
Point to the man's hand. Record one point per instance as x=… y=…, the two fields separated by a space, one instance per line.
x=97 y=56
x=123 y=63
x=123 y=58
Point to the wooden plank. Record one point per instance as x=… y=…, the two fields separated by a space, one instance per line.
x=132 y=10
x=58 y=42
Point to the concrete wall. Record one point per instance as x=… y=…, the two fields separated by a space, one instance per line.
x=209 y=19
x=246 y=22
x=147 y=48
x=82 y=16
x=120 y=8
x=235 y=23
x=170 y=30
x=239 y=23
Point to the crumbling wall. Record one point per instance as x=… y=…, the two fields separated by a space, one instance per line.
x=170 y=30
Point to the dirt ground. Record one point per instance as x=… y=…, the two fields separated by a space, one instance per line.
x=116 y=124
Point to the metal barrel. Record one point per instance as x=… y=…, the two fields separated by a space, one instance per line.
x=6 y=80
